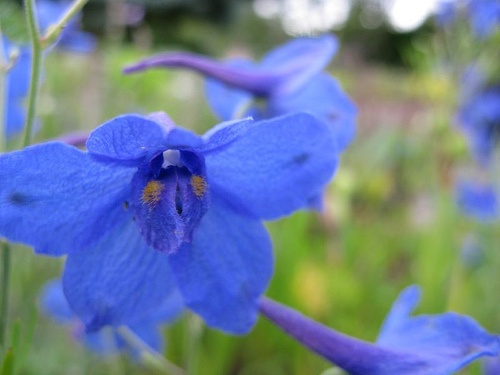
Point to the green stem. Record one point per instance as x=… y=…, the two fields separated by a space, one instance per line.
x=54 y=31
x=4 y=298
x=3 y=89
x=148 y=354
x=193 y=330
x=36 y=69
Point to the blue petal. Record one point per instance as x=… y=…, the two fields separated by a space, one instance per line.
x=133 y=137
x=223 y=134
x=53 y=302
x=401 y=309
x=300 y=59
x=127 y=137
x=323 y=97
x=225 y=269
x=286 y=161
x=57 y=199
x=447 y=341
x=119 y=281
x=227 y=101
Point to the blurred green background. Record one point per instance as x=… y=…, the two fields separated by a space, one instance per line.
x=389 y=218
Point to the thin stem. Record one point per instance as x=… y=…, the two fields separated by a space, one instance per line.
x=193 y=332
x=36 y=65
x=3 y=96
x=148 y=354
x=54 y=31
x=4 y=298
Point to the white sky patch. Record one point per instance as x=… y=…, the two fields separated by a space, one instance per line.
x=304 y=17
x=407 y=15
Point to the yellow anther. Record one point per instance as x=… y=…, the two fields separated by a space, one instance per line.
x=199 y=185
x=152 y=193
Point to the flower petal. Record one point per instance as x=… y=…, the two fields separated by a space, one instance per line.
x=227 y=101
x=57 y=199
x=300 y=59
x=120 y=281
x=127 y=137
x=285 y=160
x=323 y=97
x=223 y=134
x=53 y=302
x=225 y=269
x=446 y=341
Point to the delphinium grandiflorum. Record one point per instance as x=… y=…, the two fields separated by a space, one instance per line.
x=16 y=86
x=288 y=79
x=110 y=340
x=151 y=207
x=71 y=38
x=419 y=345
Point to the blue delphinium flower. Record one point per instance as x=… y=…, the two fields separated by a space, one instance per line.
x=109 y=340
x=420 y=345
x=290 y=78
x=150 y=201
x=16 y=87
x=479 y=118
x=478 y=200
x=72 y=38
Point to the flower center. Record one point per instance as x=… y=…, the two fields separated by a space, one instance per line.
x=170 y=196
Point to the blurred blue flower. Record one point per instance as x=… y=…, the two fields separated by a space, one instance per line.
x=477 y=200
x=479 y=118
x=109 y=340
x=423 y=345
x=147 y=185
x=16 y=87
x=71 y=38
x=484 y=16
x=288 y=79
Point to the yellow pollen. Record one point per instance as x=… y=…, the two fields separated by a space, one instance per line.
x=199 y=185
x=152 y=193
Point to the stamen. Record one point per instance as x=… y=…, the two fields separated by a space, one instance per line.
x=152 y=193
x=199 y=185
